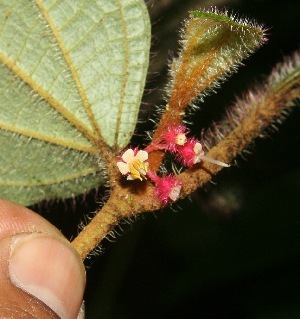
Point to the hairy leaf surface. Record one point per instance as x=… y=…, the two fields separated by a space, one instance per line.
x=72 y=74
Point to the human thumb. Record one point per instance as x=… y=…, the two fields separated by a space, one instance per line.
x=37 y=261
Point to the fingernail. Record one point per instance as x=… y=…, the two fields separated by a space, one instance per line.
x=81 y=314
x=49 y=269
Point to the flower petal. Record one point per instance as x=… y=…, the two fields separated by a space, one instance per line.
x=198 y=149
x=128 y=155
x=180 y=139
x=142 y=155
x=175 y=192
x=123 y=168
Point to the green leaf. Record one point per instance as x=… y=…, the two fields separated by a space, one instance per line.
x=72 y=74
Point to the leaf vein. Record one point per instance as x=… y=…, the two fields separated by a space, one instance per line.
x=47 y=97
x=89 y=171
x=47 y=138
x=82 y=93
x=125 y=77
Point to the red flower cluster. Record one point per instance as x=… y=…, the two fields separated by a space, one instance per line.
x=188 y=150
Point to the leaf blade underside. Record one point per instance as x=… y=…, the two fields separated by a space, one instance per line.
x=57 y=101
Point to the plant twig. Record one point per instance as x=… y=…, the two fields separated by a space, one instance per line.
x=247 y=120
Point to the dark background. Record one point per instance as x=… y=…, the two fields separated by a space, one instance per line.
x=233 y=250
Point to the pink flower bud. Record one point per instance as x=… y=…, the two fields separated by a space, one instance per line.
x=190 y=153
x=174 y=137
x=167 y=188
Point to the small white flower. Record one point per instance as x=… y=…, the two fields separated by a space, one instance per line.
x=175 y=192
x=134 y=164
x=180 y=139
x=198 y=151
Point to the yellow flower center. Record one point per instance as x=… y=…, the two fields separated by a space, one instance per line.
x=138 y=169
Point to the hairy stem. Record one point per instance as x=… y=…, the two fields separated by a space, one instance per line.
x=99 y=227
x=124 y=202
x=247 y=120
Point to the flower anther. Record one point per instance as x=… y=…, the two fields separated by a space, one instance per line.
x=134 y=164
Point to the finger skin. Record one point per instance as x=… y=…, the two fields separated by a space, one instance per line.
x=15 y=302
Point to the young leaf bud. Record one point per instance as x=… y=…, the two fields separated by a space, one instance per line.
x=213 y=44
